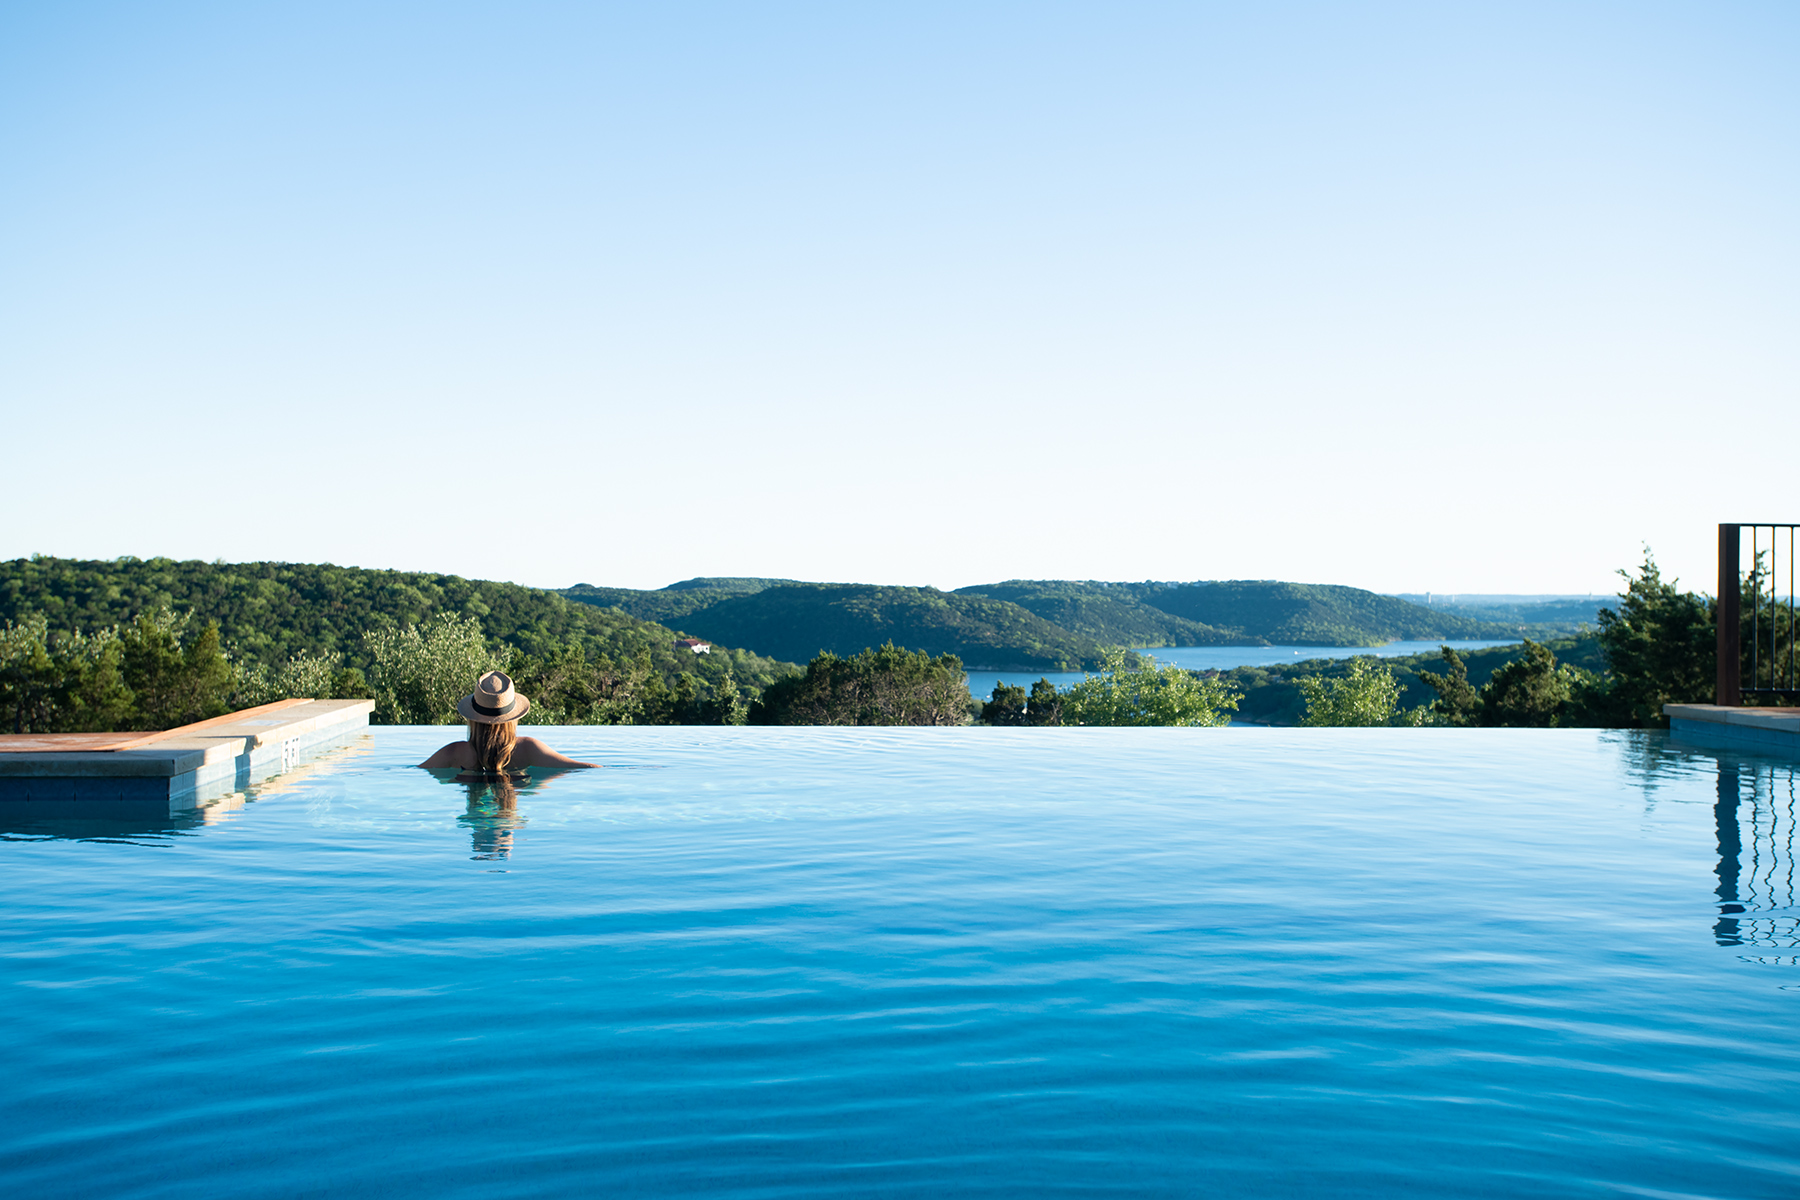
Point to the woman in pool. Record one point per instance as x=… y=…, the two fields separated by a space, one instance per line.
x=494 y=746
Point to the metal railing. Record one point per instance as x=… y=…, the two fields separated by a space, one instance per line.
x=1773 y=662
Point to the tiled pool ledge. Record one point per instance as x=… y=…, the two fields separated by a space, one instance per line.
x=88 y=774
x=1770 y=730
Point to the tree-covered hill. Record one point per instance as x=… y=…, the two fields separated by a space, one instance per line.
x=268 y=612
x=1107 y=612
x=667 y=606
x=795 y=621
x=1028 y=624
x=736 y=584
x=1310 y=614
x=1540 y=619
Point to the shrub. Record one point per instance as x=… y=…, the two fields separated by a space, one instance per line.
x=886 y=686
x=1367 y=694
x=1009 y=705
x=1147 y=694
x=174 y=680
x=61 y=683
x=421 y=671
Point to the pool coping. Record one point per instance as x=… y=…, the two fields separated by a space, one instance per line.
x=176 y=770
x=1775 y=730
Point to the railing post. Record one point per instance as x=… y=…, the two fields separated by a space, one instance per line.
x=1729 y=691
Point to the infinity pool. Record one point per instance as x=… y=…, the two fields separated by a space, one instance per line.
x=970 y=962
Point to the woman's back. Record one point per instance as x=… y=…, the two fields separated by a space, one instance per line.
x=493 y=710
x=526 y=752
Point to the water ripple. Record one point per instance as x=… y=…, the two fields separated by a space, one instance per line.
x=968 y=962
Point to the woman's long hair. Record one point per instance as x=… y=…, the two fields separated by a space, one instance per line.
x=493 y=744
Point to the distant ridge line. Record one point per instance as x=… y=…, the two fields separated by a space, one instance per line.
x=1039 y=624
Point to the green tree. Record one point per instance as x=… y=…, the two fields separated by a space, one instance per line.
x=885 y=686
x=173 y=683
x=728 y=707
x=1530 y=692
x=689 y=703
x=308 y=676
x=305 y=676
x=566 y=688
x=94 y=696
x=620 y=691
x=1045 y=704
x=655 y=703
x=1366 y=694
x=421 y=671
x=1152 y=694
x=270 y=612
x=1660 y=648
x=1006 y=706
x=1457 y=703
x=684 y=700
x=30 y=679
x=348 y=683
x=1011 y=705
x=61 y=682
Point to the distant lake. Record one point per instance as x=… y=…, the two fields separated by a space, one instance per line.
x=1223 y=658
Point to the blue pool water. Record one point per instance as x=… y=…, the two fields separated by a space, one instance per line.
x=968 y=962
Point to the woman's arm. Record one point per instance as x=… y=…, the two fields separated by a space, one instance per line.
x=529 y=752
x=456 y=754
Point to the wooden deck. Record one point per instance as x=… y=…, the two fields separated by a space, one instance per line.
x=52 y=743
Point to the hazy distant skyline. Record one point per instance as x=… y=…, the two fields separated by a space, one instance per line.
x=1410 y=297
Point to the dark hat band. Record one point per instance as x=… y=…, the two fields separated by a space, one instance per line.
x=485 y=711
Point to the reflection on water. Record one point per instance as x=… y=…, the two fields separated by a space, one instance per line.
x=491 y=809
x=493 y=816
x=145 y=830
x=912 y=961
x=1755 y=803
x=1754 y=816
x=153 y=824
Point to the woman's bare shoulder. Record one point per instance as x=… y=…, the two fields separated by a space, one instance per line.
x=457 y=754
x=530 y=752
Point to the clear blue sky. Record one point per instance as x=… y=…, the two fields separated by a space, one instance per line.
x=1407 y=296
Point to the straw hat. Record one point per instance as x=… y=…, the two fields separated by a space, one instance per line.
x=493 y=701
